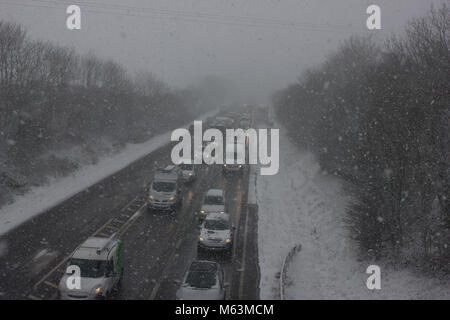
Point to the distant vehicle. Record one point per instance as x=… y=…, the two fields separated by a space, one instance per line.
x=210 y=122
x=164 y=192
x=226 y=122
x=233 y=167
x=214 y=201
x=101 y=265
x=204 y=280
x=207 y=156
x=173 y=168
x=244 y=122
x=222 y=128
x=216 y=233
x=270 y=116
x=188 y=172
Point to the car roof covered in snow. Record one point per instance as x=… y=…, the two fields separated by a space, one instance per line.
x=217 y=216
x=215 y=192
x=203 y=265
x=94 y=248
x=166 y=174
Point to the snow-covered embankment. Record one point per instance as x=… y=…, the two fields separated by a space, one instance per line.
x=42 y=198
x=301 y=205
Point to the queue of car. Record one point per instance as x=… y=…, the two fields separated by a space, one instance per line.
x=98 y=262
x=216 y=233
x=205 y=280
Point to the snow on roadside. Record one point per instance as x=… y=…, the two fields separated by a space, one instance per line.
x=42 y=198
x=300 y=205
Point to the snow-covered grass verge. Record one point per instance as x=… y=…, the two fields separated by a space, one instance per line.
x=300 y=205
x=39 y=199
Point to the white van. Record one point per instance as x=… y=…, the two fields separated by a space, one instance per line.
x=100 y=262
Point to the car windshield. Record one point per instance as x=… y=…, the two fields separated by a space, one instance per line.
x=201 y=279
x=89 y=268
x=161 y=186
x=185 y=166
x=214 y=200
x=217 y=224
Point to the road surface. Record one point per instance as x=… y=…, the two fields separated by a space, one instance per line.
x=158 y=247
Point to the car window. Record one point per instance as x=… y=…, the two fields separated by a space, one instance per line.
x=201 y=279
x=217 y=224
x=90 y=268
x=161 y=186
x=214 y=200
x=187 y=166
x=109 y=269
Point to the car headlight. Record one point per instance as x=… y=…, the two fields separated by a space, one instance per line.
x=150 y=197
x=228 y=240
x=190 y=173
x=98 y=290
x=201 y=239
x=171 y=198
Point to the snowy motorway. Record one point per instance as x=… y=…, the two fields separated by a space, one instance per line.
x=300 y=205
x=157 y=247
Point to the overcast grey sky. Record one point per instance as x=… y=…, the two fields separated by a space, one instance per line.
x=262 y=45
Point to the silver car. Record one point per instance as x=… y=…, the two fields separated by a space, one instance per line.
x=188 y=172
x=214 y=201
x=216 y=233
x=231 y=164
x=203 y=281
